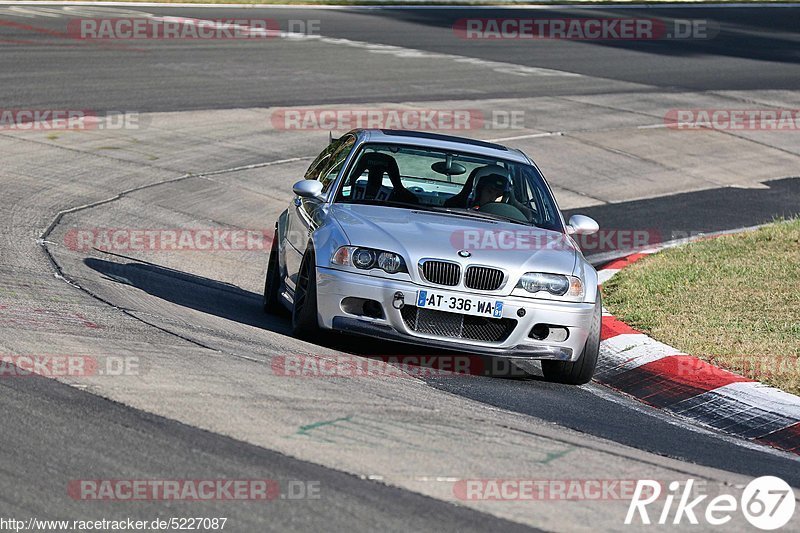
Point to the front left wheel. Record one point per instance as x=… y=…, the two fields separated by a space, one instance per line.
x=304 y=312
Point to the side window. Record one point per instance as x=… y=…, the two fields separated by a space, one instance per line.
x=530 y=196
x=330 y=176
x=548 y=216
x=336 y=161
x=322 y=160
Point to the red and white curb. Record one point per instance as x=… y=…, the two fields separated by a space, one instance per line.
x=662 y=376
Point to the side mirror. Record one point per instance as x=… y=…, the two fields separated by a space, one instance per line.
x=582 y=225
x=308 y=189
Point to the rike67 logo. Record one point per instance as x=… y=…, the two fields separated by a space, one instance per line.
x=767 y=503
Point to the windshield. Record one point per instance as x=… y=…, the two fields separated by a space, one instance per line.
x=415 y=177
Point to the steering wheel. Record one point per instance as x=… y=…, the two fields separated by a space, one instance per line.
x=504 y=210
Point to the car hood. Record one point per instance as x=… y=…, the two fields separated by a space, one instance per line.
x=418 y=234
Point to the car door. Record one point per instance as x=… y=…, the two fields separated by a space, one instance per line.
x=306 y=214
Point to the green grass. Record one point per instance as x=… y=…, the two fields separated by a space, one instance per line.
x=733 y=301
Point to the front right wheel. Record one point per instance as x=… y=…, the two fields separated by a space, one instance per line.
x=272 y=283
x=305 y=323
x=580 y=371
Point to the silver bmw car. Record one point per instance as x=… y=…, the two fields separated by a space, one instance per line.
x=440 y=241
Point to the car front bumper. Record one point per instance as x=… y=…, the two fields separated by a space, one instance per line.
x=333 y=286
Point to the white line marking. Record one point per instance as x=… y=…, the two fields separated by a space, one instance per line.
x=373 y=48
x=387 y=49
x=413 y=53
x=529 y=136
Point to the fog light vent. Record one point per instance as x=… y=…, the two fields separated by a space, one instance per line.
x=362 y=307
x=546 y=332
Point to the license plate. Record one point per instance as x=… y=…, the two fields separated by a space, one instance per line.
x=468 y=305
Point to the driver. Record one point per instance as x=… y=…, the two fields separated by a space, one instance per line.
x=490 y=188
x=494 y=185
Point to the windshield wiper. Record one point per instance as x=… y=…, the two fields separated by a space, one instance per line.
x=457 y=211
x=469 y=213
x=472 y=213
x=390 y=203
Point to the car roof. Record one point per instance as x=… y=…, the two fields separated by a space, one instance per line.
x=444 y=142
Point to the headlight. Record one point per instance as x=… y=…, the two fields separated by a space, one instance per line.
x=390 y=262
x=368 y=258
x=363 y=258
x=555 y=284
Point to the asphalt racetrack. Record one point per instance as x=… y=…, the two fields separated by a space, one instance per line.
x=202 y=144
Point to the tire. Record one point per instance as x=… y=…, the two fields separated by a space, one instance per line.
x=272 y=284
x=304 y=311
x=582 y=370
